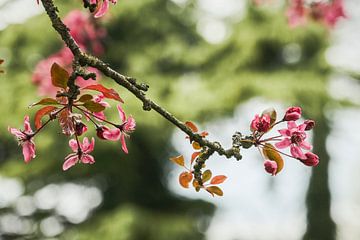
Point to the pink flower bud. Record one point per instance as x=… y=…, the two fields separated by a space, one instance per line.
x=310 y=160
x=80 y=128
x=292 y=114
x=260 y=124
x=310 y=124
x=270 y=167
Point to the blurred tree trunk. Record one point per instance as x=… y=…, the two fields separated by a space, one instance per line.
x=320 y=226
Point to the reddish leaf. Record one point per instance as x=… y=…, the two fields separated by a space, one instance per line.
x=218 y=179
x=178 y=160
x=185 y=178
x=42 y=112
x=204 y=134
x=45 y=101
x=196 y=145
x=194 y=156
x=59 y=76
x=206 y=176
x=66 y=122
x=107 y=92
x=271 y=154
x=214 y=190
x=85 y=98
x=192 y=126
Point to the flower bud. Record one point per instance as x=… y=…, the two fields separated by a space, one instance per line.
x=100 y=132
x=80 y=128
x=310 y=124
x=270 y=167
x=310 y=160
x=292 y=114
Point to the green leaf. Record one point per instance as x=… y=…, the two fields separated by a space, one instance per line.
x=271 y=154
x=59 y=76
x=178 y=160
x=272 y=113
x=206 y=176
x=214 y=190
x=85 y=98
x=46 y=101
x=94 y=106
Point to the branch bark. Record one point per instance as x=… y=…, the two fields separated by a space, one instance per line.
x=129 y=83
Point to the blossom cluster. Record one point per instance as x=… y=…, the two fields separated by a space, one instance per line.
x=294 y=137
x=75 y=107
x=327 y=12
x=87 y=35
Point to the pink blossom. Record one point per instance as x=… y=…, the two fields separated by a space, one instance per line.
x=270 y=167
x=296 y=13
x=260 y=124
x=292 y=114
x=25 y=139
x=310 y=159
x=100 y=99
x=327 y=12
x=81 y=153
x=80 y=128
x=120 y=132
x=295 y=138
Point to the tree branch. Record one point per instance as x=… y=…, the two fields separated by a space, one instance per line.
x=129 y=83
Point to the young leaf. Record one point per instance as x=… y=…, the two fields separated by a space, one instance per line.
x=178 y=160
x=45 y=101
x=194 y=156
x=94 y=106
x=42 y=112
x=196 y=145
x=206 y=176
x=185 y=178
x=271 y=154
x=218 y=179
x=107 y=92
x=85 y=98
x=196 y=185
x=59 y=76
x=192 y=126
x=272 y=113
x=214 y=190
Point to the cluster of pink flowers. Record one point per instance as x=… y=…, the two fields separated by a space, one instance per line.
x=88 y=37
x=71 y=112
x=294 y=137
x=327 y=12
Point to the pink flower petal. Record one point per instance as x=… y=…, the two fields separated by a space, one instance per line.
x=285 y=132
x=121 y=113
x=71 y=160
x=73 y=145
x=103 y=9
x=17 y=133
x=291 y=125
x=87 y=146
x=296 y=152
x=27 y=127
x=28 y=149
x=87 y=159
x=112 y=134
x=123 y=144
x=305 y=145
x=283 y=144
